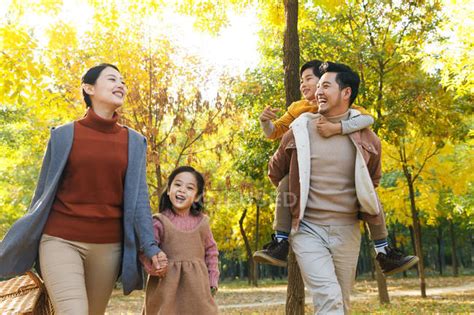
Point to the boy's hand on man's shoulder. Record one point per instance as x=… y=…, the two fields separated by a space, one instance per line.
x=328 y=129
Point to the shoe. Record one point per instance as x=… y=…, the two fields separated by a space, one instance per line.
x=273 y=253
x=394 y=261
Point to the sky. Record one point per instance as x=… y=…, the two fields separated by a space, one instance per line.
x=235 y=46
x=232 y=51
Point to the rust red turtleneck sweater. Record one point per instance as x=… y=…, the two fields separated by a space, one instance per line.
x=89 y=199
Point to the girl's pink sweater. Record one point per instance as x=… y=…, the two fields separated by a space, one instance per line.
x=187 y=223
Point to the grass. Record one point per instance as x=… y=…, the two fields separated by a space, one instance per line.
x=405 y=297
x=446 y=304
x=439 y=304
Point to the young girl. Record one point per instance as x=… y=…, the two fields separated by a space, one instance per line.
x=183 y=233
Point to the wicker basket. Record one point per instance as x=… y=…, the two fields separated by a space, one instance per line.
x=24 y=295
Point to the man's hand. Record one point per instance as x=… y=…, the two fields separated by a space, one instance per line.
x=268 y=114
x=327 y=129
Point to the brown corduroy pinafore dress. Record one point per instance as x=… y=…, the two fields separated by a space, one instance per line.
x=185 y=289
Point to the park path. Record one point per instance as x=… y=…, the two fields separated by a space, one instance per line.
x=429 y=291
x=280 y=296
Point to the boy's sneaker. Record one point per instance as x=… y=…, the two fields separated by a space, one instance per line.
x=273 y=253
x=394 y=261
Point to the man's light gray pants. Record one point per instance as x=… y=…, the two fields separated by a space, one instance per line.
x=327 y=256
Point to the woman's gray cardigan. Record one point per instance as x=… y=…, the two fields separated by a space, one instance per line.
x=19 y=248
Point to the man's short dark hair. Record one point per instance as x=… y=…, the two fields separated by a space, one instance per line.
x=313 y=64
x=345 y=77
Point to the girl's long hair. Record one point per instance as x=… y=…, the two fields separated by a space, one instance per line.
x=198 y=206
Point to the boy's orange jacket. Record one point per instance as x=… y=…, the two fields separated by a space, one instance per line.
x=282 y=124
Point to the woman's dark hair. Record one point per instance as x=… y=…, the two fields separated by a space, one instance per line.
x=91 y=77
x=198 y=206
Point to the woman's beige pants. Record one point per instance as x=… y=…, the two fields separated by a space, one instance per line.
x=79 y=276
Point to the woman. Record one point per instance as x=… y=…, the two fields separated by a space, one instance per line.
x=90 y=213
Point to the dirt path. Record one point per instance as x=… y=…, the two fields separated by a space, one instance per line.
x=429 y=292
x=270 y=299
x=276 y=296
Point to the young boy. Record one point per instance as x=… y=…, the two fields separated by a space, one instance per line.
x=391 y=260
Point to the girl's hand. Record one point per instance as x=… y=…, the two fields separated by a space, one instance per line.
x=157 y=266
x=160 y=264
x=327 y=129
x=213 y=291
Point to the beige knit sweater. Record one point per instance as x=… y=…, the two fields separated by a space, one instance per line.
x=332 y=198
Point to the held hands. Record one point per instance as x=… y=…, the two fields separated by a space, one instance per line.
x=268 y=114
x=327 y=129
x=160 y=264
x=157 y=266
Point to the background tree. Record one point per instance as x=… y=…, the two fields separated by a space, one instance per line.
x=291 y=58
x=413 y=57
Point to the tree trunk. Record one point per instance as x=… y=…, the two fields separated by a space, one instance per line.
x=241 y=270
x=291 y=52
x=417 y=234
x=439 y=239
x=413 y=245
x=257 y=223
x=295 y=290
x=257 y=235
x=366 y=254
x=159 y=180
x=381 y=282
x=248 y=249
x=469 y=251
x=291 y=60
x=453 y=249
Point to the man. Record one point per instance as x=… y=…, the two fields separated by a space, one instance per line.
x=333 y=180
x=390 y=259
x=276 y=251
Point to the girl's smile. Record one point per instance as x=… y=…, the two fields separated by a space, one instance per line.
x=183 y=192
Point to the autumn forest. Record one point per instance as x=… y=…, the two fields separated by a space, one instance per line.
x=415 y=60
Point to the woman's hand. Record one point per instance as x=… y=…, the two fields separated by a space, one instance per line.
x=146 y=263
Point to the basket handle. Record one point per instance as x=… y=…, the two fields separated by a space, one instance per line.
x=36 y=280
